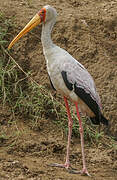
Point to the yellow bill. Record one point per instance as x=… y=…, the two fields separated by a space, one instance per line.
x=33 y=22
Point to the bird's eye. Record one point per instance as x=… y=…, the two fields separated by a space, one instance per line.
x=42 y=12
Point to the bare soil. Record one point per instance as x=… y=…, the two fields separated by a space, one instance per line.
x=88 y=31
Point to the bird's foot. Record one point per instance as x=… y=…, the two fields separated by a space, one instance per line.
x=85 y=172
x=66 y=165
x=82 y=172
x=70 y=169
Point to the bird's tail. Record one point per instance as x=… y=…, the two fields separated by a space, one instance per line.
x=103 y=120
x=97 y=120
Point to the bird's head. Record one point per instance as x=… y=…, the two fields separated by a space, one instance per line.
x=50 y=13
x=45 y=14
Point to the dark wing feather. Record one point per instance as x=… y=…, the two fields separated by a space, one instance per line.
x=52 y=84
x=86 y=97
x=82 y=94
x=67 y=83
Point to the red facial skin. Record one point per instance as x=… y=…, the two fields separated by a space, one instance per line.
x=42 y=14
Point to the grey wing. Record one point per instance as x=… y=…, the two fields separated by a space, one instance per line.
x=78 y=75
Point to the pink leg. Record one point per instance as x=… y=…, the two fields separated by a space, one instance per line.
x=84 y=170
x=70 y=123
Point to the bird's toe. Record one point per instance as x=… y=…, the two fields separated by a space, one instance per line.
x=75 y=171
x=57 y=165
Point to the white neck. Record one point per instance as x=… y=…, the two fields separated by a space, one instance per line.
x=46 y=34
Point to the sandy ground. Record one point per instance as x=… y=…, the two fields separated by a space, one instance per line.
x=88 y=31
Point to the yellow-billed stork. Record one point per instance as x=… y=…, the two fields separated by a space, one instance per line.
x=68 y=77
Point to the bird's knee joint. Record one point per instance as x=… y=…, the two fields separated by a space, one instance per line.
x=81 y=130
x=70 y=124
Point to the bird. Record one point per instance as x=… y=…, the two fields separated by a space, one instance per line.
x=69 y=78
